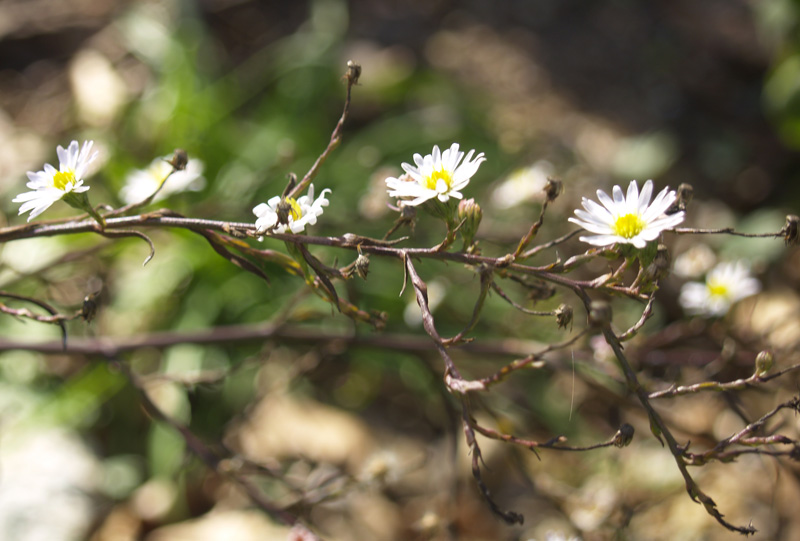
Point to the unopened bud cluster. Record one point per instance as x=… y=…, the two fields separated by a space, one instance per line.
x=469 y=216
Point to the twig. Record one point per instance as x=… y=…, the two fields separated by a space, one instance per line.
x=723 y=231
x=660 y=428
x=646 y=313
x=510 y=517
x=560 y=240
x=620 y=439
x=519 y=307
x=54 y=316
x=351 y=78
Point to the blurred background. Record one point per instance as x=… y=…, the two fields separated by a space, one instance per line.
x=365 y=441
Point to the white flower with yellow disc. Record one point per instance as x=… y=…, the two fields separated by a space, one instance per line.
x=725 y=284
x=299 y=212
x=51 y=184
x=627 y=220
x=440 y=175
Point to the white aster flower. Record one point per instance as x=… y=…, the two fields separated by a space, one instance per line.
x=51 y=184
x=302 y=211
x=627 y=220
x=440 y=174
x=727 y=283
x=142 y=183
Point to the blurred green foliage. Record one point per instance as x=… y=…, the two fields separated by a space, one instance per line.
x=252 y=124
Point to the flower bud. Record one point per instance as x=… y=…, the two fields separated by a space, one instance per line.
x=469 y=215
x=790 y=234
x=764 y=361
x=599 y=314
x=553 y=189
x=564 y=316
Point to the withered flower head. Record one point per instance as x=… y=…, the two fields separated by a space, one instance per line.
x=790 y=233
x=353 y=72
x=362 y=266
x=564 y=316
x=553 y=189
x=179 y=159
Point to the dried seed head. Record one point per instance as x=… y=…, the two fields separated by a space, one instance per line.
x=764 y=362
x=599 y=314
x=89 y=308
x=564 y=316
x=624 y=435
x=361 y=266
x=353 y=72
x=283 y=210
x=790 y=233
x=553 y=189
x=179 y=159
x=684 y=197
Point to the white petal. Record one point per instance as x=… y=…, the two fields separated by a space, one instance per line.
x=455 y=157
x=601 y=240
x=644 y=196
x=600 y=213
x=619 y=199
x=468 y=169
x=601 y=229
x=410 y=169
x=591 y=218
x=667 y=222
x=661 y=203
x=607 y=202
x=632 y=199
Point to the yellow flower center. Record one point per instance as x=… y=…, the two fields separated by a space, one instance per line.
x=628 y=226
x=716 y=289
x=442 y=174
x=296 y=212
x=62 y=178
